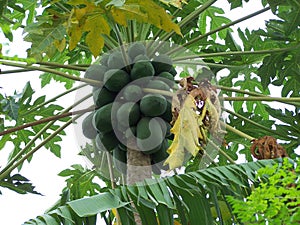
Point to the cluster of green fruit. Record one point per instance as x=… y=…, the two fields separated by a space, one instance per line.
x=130 y=106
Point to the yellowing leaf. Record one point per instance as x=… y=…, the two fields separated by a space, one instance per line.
x=176 y=3
x=128 y=12
x=186 y=134
x=88 y=19
x=60 y=44
x=145 y=11
x=96 y=26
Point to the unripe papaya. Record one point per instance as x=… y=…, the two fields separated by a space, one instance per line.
x=102 y=118
x=153 y=105
x=141 y=58
x=162 y=154
x=149 y=135
x=95 y=72
x=128 y=114
x=115 y=60
x=103 y=96
x=88 y=129
x=132 y=93
x=136 y=49
x=106 y=141
x=167 y=116
x=115 y=79
x=162 y=63
x=158 y=85
x=142 y=69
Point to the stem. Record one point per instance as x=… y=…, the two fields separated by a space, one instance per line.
x=55 y=98
x=250 y=93
x=182 y=23
x=110 y=169
x=265 y=98
x=48 y=70
x=21 y=152
x=59 y=65
x=259 y=52
x=156 y=91
x=217 y=30
x=238 y=132
x=251 y=121
x=214 y=65
x=45 y=120
x=5 y=172
x=221 y=151
x=125 y=56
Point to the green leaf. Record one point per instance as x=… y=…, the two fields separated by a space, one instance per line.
x=214 y=13
x=3 y=4
x=87 y=207
x=10 y=106
x=26 y=94
x=19 y=184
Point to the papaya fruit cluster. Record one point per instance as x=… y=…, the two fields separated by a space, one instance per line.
x=130 y=106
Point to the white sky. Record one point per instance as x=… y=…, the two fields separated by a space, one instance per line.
x=43 y=169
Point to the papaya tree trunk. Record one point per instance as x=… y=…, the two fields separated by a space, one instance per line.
x=138 y=169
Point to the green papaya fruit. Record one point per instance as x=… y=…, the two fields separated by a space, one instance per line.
x=136 y=49
x=115 y=79
x=153 y=105
x=149 y=135
x=128 y=114
x=141 y=69
x=162 y=63
x=106 y=141
x=103 y=96
x=102 y=118
x=95 y=72
x=132 y=93
x=88 y=129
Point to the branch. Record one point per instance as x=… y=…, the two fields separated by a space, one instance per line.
x=45 y=120
x=48 y=70
x=181 y=24
x=6 y=172
x=54 y=98
x=33 y=139
x=252 y=122
x=265 y=98
x=233 y=53
x=217 y=30
x=221 y=151
x=238 y=132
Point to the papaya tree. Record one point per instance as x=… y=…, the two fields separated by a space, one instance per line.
x=169 y=97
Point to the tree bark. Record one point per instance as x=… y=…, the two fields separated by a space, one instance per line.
x=138 y=169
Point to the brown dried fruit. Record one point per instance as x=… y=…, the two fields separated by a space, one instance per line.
x=267 y=148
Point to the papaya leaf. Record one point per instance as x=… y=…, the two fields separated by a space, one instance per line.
x=88 y=19
x=217 y=20
x=43 y=35
x=19 y=184
x=145 y=11
x=3 y=4
x=187 y=132
x=176 y=3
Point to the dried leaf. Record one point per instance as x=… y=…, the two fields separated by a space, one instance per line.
x=186 y=134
